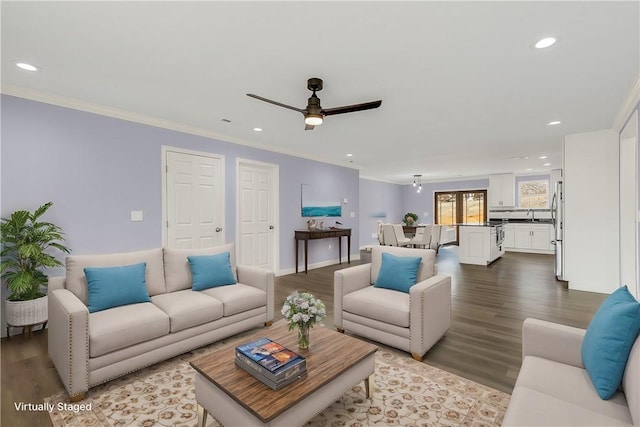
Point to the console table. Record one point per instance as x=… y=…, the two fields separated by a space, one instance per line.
x=307 y=235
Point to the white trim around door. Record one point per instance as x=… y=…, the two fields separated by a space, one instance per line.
x=258 y=214
x=207 y=191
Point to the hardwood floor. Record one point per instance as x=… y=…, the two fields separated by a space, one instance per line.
x=489 y=305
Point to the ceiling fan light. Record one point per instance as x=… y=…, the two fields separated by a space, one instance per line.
x=313 y=119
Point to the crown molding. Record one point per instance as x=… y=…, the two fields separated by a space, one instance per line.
x=627 y=108
x=117 y=113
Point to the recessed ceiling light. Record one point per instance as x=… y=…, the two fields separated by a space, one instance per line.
x=547 y=164
x=542 y=157
x=554 y=123
x=349 y=155
x=528 y=169
x=545 y=42
x=257 y=129
x=27 y=67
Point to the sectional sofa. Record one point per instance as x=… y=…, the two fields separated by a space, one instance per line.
x=554 y=389
x=89 y=348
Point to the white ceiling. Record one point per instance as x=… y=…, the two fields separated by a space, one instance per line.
x=463 y=89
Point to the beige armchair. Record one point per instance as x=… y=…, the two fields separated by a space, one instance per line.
x=412 y=321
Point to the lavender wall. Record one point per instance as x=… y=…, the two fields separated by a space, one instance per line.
x=97 y=169
x=379 y=201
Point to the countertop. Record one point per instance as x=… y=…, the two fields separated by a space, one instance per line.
x=494 y=223
x=521 y=221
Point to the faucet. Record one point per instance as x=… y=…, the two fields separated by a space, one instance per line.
x=533 y=214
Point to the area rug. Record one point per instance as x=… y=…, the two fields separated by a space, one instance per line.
x=407 y=393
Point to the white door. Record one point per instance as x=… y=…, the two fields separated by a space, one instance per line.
x=194 y=201
x=257 y=214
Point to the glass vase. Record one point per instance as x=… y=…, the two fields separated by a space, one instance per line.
x=303 y=337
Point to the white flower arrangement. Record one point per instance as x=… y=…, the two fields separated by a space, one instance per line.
x=302 y=310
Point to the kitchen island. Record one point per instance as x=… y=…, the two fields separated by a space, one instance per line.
x=480 y=244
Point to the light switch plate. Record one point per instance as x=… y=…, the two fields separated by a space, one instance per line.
x=137 y=216
x=352 y=214
x=346 y=200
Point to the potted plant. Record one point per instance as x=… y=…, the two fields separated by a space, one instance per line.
x=410 y=218
x=27 y=243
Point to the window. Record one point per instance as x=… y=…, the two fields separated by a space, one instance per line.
x=461 y=207
x=533 y=193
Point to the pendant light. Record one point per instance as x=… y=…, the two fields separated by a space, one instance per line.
x=417 y=182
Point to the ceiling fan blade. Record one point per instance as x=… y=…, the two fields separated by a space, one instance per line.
x=309 y=127
x=351 y=108
x=279 y=104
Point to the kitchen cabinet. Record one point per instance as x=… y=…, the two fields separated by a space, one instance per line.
x=529 y=237
x=478 y=245
x=509 y=236
x=501 y=190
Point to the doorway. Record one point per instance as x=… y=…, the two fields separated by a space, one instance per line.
x=460 y=207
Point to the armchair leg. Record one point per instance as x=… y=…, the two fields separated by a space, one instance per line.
x=340 y=330
x=416 y=357
x=78 y=397
x=269 y=323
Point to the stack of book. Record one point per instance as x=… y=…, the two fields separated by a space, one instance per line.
x=270 y=362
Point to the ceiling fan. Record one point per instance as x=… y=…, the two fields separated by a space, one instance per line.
x=314 y=113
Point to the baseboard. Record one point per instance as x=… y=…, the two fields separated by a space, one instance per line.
x=285 y=271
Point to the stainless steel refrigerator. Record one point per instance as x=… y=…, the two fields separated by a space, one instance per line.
x=557 y=215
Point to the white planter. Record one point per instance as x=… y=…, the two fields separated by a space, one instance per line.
x=24 y=313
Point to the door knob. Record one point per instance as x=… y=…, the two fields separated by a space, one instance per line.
x=271 y=227
x=218 y=229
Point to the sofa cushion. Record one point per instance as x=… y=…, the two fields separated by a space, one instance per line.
x=176 y=266
x=608 y=341
x=209 y=271
x=398 y=273
x=237 y=298
x=380 y=304
x=120 y=327
x=115 y=286
x=553 y=393
x=529 y=407
x=188 y=308
x=76 y=280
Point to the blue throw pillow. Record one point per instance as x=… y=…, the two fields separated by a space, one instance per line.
x=608 y=341
x=397 y=272
x=209 y=271
x=115 y=286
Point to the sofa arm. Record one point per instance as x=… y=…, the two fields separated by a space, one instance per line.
x=430 y=313
x=69 y=340
x=553 y=341
x=262 y=279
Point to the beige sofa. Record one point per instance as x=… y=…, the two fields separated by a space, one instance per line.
x=554 y=389
x=88 y=349
x=412 y=321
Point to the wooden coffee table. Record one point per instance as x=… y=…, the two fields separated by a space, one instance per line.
x=335 y=363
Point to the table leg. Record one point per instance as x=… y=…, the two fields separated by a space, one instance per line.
x=349 y=249
x=297 y=244
x=306 y=255
x=339 y=250
x=202 y=416
x=369 y=386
